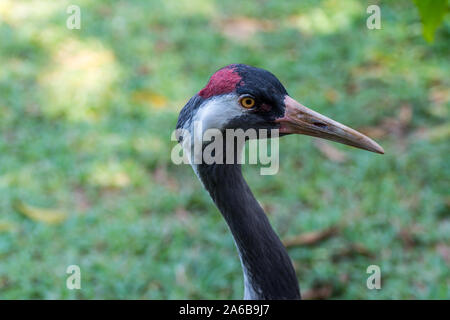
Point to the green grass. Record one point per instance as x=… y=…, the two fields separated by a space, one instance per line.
x=85 y=123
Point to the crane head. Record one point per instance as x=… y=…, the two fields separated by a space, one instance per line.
x=239 y=96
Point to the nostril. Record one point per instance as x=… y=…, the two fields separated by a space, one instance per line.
x=319 y=124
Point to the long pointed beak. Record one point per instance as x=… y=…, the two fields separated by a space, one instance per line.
x=302 y=120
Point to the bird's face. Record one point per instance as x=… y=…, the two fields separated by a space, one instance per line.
x=243 y=97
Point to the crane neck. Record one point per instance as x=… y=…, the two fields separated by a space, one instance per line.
x=267 y=268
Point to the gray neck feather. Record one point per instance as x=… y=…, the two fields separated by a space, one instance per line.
x=267 y=268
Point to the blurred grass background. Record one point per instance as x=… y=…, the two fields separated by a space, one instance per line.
x=85 y=123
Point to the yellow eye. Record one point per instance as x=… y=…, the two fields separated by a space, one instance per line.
x=247 y=102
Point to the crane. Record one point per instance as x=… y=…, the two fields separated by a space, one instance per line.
x=240 y=96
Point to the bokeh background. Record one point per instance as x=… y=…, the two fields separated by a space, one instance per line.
x=85 y=171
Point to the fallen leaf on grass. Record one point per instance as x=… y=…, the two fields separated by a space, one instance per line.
x=149 y=97
x=50 y=216
x=374 y=132
x=439 y=97
x=354 y=249
x=434 y=134
x=81 y=199
x=162 y=177
x=330 y=151
x=242 y=28
x=444 y=251
x=408 y=237
x=332 y=95
x=393 y=126
x=4 y=282
x=182 y=214
x=318 y=293
x=310 y=238
x=405 y=115
x=6 y=226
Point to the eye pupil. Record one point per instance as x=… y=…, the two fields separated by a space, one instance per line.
x=247 y=102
